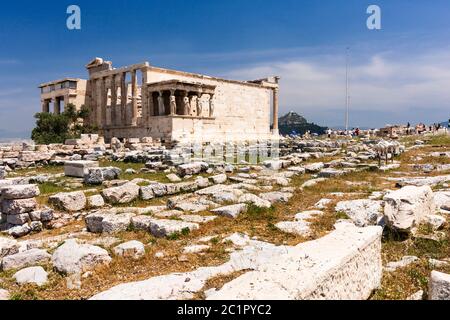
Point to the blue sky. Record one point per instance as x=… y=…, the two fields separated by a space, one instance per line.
x=400 y=73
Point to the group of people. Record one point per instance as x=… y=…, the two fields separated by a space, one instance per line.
x=355 y=132
x=421 y=128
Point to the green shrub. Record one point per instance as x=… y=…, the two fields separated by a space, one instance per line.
x=57 y=128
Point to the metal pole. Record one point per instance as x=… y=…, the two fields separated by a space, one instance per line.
x=347 y=98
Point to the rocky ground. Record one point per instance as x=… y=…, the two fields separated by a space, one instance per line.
x=325 y=221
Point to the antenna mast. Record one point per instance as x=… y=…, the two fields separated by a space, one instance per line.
x=347 y=97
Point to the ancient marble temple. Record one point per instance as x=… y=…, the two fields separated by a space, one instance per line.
x=146 y=101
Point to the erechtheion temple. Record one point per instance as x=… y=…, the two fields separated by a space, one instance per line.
x=146 y=101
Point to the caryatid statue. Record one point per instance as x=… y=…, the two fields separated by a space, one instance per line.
x=200 y=106
x=194 y=102
x=161 y=109
x=187 y=106
x=173 y=103
x=211 y=107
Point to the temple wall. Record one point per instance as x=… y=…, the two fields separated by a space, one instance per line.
x=241 y=111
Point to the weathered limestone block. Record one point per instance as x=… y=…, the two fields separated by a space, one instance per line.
x=189 y=186
x=94 y=221
x=214 y=189
x=343 y=265
x=19 y=231
x=172 y=188
x=95 y=201
x=220 y=178
x=47 y=215
x=408 y=207
x=2 y=172
x=96 y=176
x=363 y=212
x=189 y=203
x=226 y=196
x=33 y=156
x=202 y=182
x=153 y=190
x=161 y=227
x=421 y=181
x=435 y=221
x=78 y=168
x=25 y=259
x=74 y=258
x=274 y=197
x=173 y=177
x=141 y=222
x=23 y=191
x=18 y=206
x=197 y=219
x=190 y=169
x=330 y=172
x=314 y=167
x=164 y=228
x=18 y=219
x=297 y=170
x=131 y=249
x=404 y=262
x=33 y=275
x=442 y=200
x=121 y=194
x=36 y=226
x=276 y=164
x=35 y=215
x=232 y=211
x=69 y=201
x=250 y=198
x=439 y=286
x=114 y=223
x=8 y=247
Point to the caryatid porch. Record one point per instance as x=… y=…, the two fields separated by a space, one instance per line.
x=175 y=98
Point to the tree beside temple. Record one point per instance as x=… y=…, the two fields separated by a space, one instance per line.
x=57 y=128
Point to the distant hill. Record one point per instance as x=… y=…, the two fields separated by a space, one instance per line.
x=444 y=124
x=293 y=123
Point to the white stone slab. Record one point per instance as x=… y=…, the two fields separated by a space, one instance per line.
x=78 y=168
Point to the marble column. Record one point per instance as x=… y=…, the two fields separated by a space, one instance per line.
x=123 y=98
x=57 y=106
x=275 y=110
x=134 y=98
x=144 y=98
x=66 y=101
x=113 y=109
x=104 y=101
x=90 y=102
x=46 y=106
